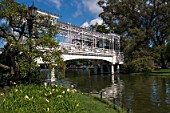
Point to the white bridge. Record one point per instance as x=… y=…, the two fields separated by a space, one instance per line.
x=81 y=43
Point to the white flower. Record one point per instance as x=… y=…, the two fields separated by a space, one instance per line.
x=56 y=85
x=14 y=83
x=47 y=100
x=63 y=92
x=2 y=94
x=48 y=109
x=59 y=96
x=77 y=105
x=26 y=97
x=45 y=94
x=74 y=90
x=45 y=84
x=16 y=90
x=53 y=90
x=68 y=90
x=72 y=86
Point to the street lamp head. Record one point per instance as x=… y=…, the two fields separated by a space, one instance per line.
x=32 y=10
x=31 y=14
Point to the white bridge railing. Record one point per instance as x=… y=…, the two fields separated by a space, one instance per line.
x=74 y=49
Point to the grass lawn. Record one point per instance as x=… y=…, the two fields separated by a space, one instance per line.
x=91 y=104
x=158 y=72
x=162 y=71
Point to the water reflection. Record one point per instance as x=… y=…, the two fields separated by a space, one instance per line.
x=142 y=94
x=110 y=86
x=167 y=100
x=147 y=93
x=155 y=94
x=86 y=82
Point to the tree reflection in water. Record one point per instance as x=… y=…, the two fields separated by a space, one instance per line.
x=141 y=94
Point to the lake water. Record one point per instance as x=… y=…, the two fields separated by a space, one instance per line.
x=141 y=94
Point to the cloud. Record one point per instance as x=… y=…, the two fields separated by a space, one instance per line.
x=85 y=24
x=88 y=5
x=91 y=5
x=79 y=9
x=57 y=3
x=98 y=21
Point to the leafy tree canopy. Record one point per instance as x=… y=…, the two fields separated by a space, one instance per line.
x=144 y=22
x=22 y=50
x=99 y=28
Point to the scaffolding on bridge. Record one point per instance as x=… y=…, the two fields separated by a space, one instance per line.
x=78 y=40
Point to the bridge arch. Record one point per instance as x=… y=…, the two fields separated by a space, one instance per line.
x=74 y=57
x=96 y=64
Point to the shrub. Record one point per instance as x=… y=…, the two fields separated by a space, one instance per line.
x=143 y=64
x=39 y=99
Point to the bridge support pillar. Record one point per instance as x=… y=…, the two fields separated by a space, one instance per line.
x=113 y=78
x=112 y=72
x=112 y=69
x=118 y=68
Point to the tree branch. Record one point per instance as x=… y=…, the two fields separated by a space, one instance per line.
x=5 y=67
x=6 y=34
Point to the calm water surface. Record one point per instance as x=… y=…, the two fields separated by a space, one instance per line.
x=141 y=94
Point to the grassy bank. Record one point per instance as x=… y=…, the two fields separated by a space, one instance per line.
x=90 y=104
x=51 y=99
x=158 y=72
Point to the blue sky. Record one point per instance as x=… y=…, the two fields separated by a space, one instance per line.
x=76 y=12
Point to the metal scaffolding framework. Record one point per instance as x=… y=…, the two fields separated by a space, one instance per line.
x=78 y=40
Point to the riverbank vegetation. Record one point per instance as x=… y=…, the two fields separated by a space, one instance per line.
x=51 y=99
x=144 y=31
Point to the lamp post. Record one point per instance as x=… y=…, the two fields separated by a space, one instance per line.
x=31 y=15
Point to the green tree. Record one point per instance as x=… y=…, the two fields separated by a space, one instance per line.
x=143 y=21
x=99 y=28
x=167 y=52
x=21 y=52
